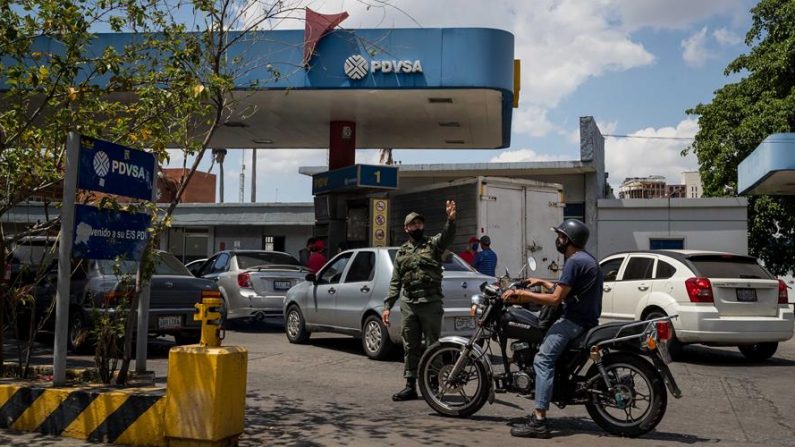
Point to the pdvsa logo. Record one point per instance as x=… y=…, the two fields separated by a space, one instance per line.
x=356 y=66
x=101 y=166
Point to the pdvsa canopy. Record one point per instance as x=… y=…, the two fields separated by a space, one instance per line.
x=403 y=88
x=770 y=169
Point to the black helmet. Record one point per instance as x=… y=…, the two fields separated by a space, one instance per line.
x=576 y=231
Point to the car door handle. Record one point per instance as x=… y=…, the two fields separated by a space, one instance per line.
x=364 y=289
x=607 y=288
x=332 y=290
x=643 y=288
x=169 y=284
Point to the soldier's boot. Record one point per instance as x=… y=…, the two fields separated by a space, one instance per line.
x=408 y=393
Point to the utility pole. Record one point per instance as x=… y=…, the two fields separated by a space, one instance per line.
x=254 y=175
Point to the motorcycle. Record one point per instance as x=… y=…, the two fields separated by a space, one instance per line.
x=619 y=371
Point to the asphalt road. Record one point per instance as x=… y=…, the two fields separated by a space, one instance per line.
x=328 y=393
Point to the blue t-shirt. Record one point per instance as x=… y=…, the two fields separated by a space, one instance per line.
x=583 y=305
x=486 y=262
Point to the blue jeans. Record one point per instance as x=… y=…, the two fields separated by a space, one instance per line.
x=556 y=340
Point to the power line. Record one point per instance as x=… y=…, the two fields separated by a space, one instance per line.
x=650 y=137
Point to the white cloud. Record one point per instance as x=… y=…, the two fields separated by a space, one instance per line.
x=694 y=49
x=641 y=157
x=670 y=14
x=727 y=38
x=526 y=155
x=287 y=161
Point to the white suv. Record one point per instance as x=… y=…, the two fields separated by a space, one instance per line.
x=721 y=299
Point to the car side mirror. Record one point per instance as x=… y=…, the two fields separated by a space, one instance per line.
x=310 y=277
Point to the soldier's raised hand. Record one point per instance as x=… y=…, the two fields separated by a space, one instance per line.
x=450 y=208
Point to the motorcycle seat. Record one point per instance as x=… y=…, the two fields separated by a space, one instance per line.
x=601 y=333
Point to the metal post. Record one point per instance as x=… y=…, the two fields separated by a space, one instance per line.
x=142 y=336
x=254 y=175
x=65 y=259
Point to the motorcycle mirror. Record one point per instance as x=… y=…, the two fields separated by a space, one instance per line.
x=531 y=263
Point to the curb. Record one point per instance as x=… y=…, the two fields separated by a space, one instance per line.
x=123 y=416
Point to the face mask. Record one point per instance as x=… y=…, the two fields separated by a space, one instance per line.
x=474 y=247
x=417 y=234
x=560 y=246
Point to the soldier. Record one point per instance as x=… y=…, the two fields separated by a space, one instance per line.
x=418 y=274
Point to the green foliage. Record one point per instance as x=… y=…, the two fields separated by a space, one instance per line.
x=744 y=113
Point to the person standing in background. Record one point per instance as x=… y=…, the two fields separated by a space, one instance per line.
x=317 y=259
x=486 y=260
x=304 y=253
x=469 y=254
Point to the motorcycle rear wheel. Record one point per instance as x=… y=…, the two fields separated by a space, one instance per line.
x=640 y=386
x=467 y=395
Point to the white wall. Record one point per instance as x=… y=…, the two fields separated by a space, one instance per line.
x=251 y=237
x=718 y=224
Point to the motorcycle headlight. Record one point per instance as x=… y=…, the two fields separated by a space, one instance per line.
x=477 y=300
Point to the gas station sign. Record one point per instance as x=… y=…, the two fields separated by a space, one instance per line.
x=355 y=177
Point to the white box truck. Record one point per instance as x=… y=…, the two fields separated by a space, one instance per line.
x=515 y=214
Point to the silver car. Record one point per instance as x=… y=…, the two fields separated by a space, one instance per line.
x=347 y=296
x=253 y=283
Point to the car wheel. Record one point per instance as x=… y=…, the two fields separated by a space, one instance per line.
x=674 y=345
x=375 y=338
x=295 y=328
x=188 y=339
x=758 y=352
x=79 y=333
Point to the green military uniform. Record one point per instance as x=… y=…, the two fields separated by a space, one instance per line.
x=418 y=275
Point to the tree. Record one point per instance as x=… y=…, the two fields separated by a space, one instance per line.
x=744 y=113
x=172 y=84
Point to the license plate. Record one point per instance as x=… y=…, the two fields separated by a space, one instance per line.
x=174 y=322
x=282 y=285
x=462 y=323
x=746 y=295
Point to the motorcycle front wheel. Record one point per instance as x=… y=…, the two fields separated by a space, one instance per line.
x=462 y=396
x=636 y=404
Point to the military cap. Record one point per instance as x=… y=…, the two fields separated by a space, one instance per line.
x=411 y=217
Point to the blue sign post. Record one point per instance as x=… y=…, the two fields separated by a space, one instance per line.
x=107 y=234
x=92 y=233
x=115 y=169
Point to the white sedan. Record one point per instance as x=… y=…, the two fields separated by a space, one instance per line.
x=721 y=299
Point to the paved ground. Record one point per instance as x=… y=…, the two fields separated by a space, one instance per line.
x=328 y=393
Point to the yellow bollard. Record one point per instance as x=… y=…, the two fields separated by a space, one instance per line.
x=208 y=313
x=206 y=391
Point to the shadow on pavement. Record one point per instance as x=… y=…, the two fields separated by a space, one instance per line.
x=288 y=421
x=265 y=327
x=568 y=426
x=351 y=345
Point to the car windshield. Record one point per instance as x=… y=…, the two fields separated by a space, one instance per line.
x=729 y=266
x=452 y=263
x=34 y=251
x=251 y=260
x=167 y=265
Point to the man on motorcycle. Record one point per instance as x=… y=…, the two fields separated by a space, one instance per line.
x=579 y=291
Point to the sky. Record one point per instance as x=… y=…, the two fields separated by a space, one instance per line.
x=636 y=66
